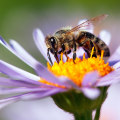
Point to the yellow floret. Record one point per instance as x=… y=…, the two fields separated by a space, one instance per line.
x=76 y=70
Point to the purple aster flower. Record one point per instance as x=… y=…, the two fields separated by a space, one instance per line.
x=28 y=86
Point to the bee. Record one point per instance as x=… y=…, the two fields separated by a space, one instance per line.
x=70 y=39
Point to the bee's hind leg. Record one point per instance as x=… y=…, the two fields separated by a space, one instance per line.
x=89 y=53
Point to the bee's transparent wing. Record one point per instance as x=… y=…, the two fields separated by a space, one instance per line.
x=40 y=43
x=89 y=28
x=85 y=25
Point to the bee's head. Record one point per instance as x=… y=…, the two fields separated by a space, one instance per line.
x=51 y=43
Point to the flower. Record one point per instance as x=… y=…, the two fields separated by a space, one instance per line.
x=28 y=86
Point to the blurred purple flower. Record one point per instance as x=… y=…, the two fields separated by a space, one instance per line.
x=27 y=85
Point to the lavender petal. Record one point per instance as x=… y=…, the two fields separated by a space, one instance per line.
x=5 y=102
x=23 y=54
x=7 y=82
x=105 y=36
x=29 y=96
x=112 y=63
x=4 y=91
x=111 y=78
x=40 y=43
x=19 y=74
x=27 y=55
x=38 y=95
x=90 y=79
x=67 y=82
x=15 y=72
x=39 y=40
x=80 y=52
x=115 y=57
x=47 y=75
x=117 y=65
x=91 y=93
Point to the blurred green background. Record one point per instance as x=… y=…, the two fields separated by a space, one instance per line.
x=18 y=18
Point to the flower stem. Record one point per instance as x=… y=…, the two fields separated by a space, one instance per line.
x=85 y=116
x=103 y=97
x=97 y=115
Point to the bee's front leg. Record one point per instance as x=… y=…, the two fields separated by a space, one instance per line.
x=74 y=51
x=56 y=56
x=48 y=54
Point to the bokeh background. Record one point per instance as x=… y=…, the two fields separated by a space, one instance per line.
x=18 y=19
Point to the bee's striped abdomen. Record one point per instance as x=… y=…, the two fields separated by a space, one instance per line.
x=102 y=46
x=88 y=40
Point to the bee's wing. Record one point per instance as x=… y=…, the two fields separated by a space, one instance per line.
x=94 y=21
x=89 y=28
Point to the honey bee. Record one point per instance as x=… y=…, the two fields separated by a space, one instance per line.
x=70 y=39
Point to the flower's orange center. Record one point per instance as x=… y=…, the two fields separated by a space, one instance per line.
x=76 y=70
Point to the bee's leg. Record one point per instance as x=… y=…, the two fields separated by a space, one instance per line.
x=92 y=44
x=74 y=51
x=63 y=47
x=48 y=54
x=97 y=51
x=56 y=56
x=66 y=53
x=60 y=52
x=88 y=48
x=89 y=53
x=63 y=50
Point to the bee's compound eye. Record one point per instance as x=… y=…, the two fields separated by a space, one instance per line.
x=52 y=40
